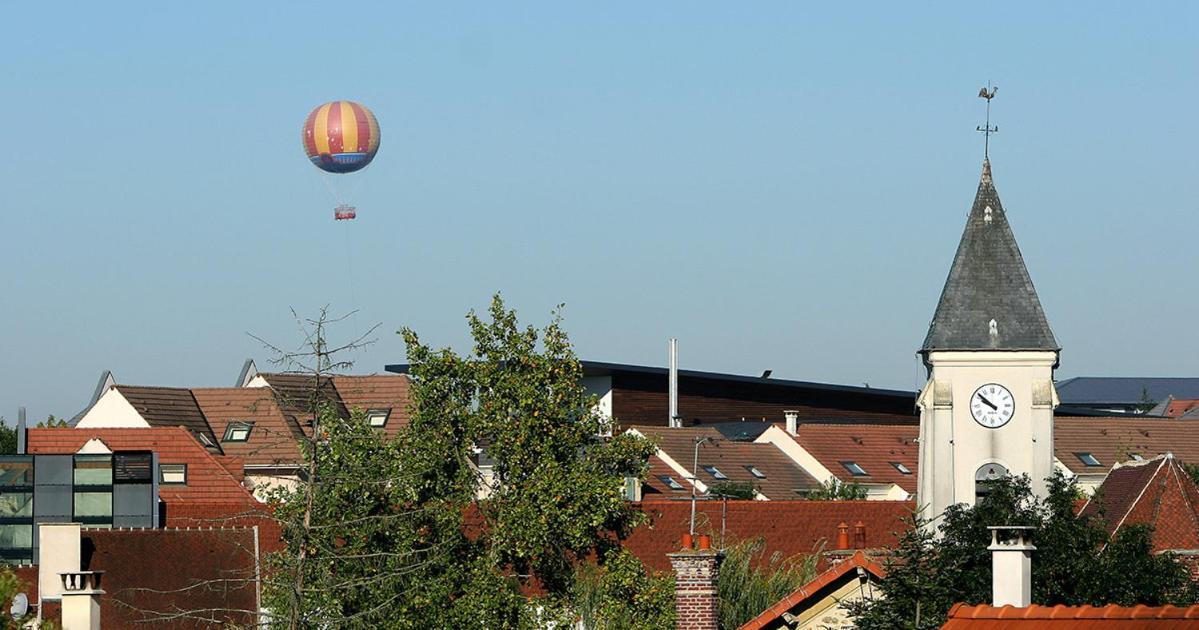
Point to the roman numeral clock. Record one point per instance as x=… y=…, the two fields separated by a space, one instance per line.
x=992 y=405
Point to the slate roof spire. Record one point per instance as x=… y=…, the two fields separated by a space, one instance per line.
x=989 y=302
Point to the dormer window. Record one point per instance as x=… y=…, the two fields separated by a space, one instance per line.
x=670 y=482
x=715 y=472
x=855 y=470
x=378 y=417
x=902 y=468
x=238 y=432
x=753 y=470
x=1087 y=459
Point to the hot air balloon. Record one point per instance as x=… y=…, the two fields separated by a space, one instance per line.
x=341 y=137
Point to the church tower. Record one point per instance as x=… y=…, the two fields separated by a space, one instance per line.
x=987 y=408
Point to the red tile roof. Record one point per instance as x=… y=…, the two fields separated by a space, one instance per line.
x=965 y=617
x=207 y=480
x=378 y=391
x=1114 y=440
x=872 y=446
x=1158 y=492
x=273 y=439
x=816 y=589
x=1179 y=408
x=784 y=479
x=788 y=527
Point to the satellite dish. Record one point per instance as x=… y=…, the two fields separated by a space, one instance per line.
x=20 y=606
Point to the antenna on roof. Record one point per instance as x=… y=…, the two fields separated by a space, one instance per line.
x=987 y=93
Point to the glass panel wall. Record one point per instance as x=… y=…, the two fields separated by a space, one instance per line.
x=16 y=509
x=93 y=490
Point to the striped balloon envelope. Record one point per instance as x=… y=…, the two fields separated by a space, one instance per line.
x=341 y=137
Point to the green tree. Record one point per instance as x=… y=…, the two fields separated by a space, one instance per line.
x=734 y=490
x=1075 y=563
x=10 y=586
x=750 y=581
x=391 y=533
x=1147 y=403
x=836 y=490
x=618 y=594
x=52 y=423
x=8 y=438
x=555 y=496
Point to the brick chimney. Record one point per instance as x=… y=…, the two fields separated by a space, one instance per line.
x=1011 y=565
x=81 y=600
x=859 y=535
x=696 y=596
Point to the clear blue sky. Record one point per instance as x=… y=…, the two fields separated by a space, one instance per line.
x=780 y=185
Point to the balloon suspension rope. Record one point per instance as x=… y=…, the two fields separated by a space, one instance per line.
x=350 y=277
x=327 y=180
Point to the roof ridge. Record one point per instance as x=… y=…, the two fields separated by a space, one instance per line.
x=172 y=387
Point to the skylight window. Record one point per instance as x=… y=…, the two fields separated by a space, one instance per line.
x=753 y=470
x=238 y=432
x=1136 y=457
x=172 y=474
x=378 y=417
x=715 y=472
x=901 y=468
x=670 y=482
x=1087 y=459
x=855 y=470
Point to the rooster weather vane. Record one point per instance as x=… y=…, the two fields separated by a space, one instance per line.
x=988 y=93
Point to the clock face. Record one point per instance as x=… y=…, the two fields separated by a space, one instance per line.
x=992 y=405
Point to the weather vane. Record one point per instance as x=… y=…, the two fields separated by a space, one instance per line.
x=988 y=93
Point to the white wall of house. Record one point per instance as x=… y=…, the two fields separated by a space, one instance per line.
x=257 y=381
x=111 y=411
x=886 y=492
x=601 y=387
x=260 y=484
x=798 y=454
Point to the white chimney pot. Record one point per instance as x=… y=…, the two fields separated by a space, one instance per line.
x=792 y=417
x=1011 y=565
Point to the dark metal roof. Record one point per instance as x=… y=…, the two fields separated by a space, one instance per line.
x=988 y=282
x=602 y=368
x=168 y=407
x=1118 y=390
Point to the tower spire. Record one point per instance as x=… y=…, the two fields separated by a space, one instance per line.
x=986 y=129
x=988 y=302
